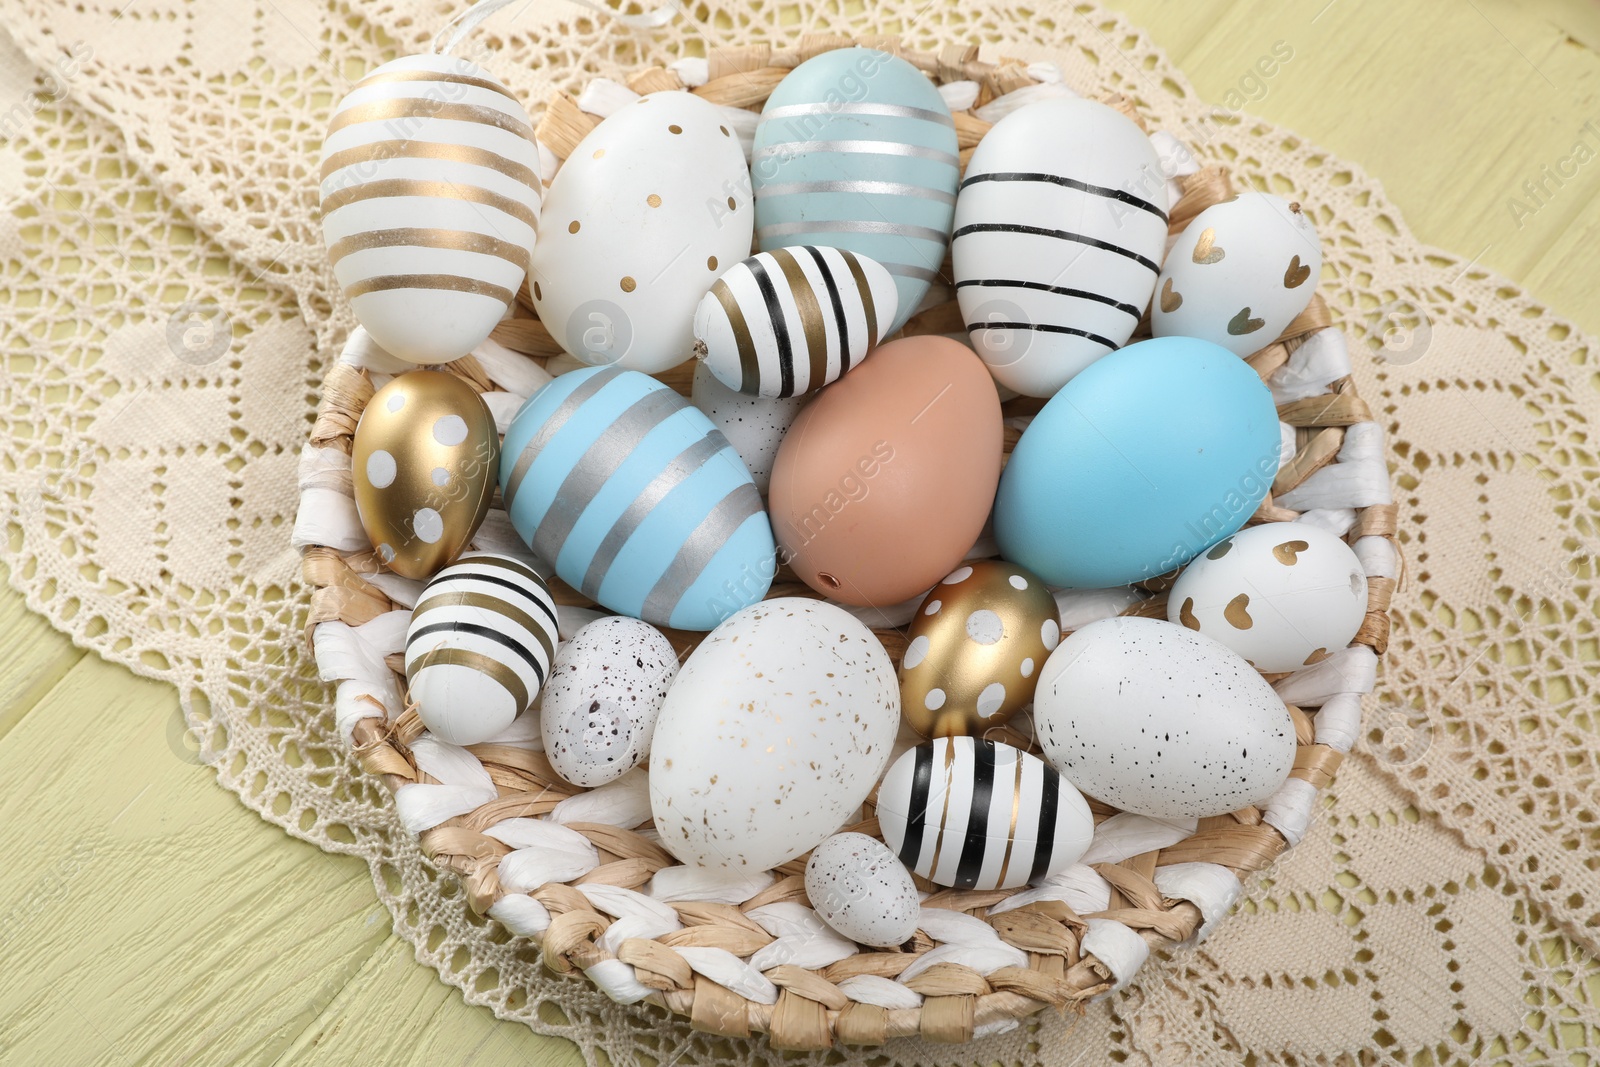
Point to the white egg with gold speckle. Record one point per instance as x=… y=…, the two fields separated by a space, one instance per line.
x=644 y=215
x=1284 y=595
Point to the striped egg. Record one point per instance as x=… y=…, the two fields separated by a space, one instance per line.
x=479 y=646
x=786 y=322
x=856 y=149
x=1059 y=233
x=430 y=201
x=636 y=499
x=976 y=814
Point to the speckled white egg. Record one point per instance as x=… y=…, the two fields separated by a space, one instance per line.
x=1238 y=274
x=1156 y=719
x=1284 y=595
x=601 y=701
x=644 y=215
x=772 y=735
x=861 y=890
x=753 y=425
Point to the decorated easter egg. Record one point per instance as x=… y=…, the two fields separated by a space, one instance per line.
x=885 y=478
x=975 y=648
x=860 y=889
x=754 y=425
x=856 y=149
x=430 y=202
x=1059 y=232
x=423 y=462
x=1239 y=273
x=772 y=734
x=1284 y=595
x=636 y=499
x=602 y=697
x=1156 y=719
x=479 y=646
x=644 y=215
x=789 y=321
x=975 y=814
x=1148 y=457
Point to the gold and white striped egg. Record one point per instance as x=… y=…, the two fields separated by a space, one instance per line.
x=430 y=203
x=976 y=646
x=650 y=207
x=787 y=322
x=423 y=465
x=1284 y=595
x=479 y=646
x=1238 y=274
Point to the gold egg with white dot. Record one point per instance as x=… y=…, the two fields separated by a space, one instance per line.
x=975 y=646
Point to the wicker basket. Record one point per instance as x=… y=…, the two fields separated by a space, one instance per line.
x=814 y=1008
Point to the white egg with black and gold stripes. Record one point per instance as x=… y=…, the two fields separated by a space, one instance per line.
x=479 y=646
x=787 y=322
x=430 y=203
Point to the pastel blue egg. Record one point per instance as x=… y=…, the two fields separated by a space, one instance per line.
x=1149 y=456
x=856 y=149
x=636 y=499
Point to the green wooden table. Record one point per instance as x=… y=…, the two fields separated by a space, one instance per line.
x=153 y=919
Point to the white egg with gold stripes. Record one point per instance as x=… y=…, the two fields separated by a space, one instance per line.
x=787 y=322
x=430 y=203
x=974 y=814
x=479 y=647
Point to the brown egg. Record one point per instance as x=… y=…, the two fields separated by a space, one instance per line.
x=884 y=480
x=423 y=462
x=977 y=644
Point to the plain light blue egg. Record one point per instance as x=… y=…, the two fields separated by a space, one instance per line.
x=859 y=95
x=1148 y=457
x=650 y=493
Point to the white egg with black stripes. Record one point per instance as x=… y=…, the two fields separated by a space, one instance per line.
x=1060 y=226
x=479 y=646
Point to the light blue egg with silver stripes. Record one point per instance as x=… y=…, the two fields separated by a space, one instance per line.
x=636 y=499
x=856 y=149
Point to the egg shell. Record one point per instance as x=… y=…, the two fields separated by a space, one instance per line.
x=479 y=646
x=602 y=698
x=639 y=502
x=856 y=149
x=860 y=889
x=1059 y=232
x=430 y=203
x=1283 y=595
x=423 y=462
x=1239 y=273
x=650 y=207
x=975 y=814
x=789 y=321
x=1147 y=458
x=1158 y=720
x=754 y=425
x=975 y=647
x=774 y=732
x=884 y=480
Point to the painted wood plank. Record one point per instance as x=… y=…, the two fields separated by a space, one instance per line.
x=37 y=657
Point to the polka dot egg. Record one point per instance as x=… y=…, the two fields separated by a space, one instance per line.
x=862 y=890
x=976 y=646
x=644 y=215
x=602 y=699
x=423 y=465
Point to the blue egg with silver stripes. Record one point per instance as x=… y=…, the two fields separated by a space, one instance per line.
x=856 y=150
x=1059 y=233
x=636 y=499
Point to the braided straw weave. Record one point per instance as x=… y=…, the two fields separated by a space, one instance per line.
x=810 y=1010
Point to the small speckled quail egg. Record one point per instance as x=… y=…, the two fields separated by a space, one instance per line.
x=600 y=704
x=1284 y=595
x=753 y=425
x=861 y=890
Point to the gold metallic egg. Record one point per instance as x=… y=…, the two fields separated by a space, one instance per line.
x=424 y=459
x=977 y=644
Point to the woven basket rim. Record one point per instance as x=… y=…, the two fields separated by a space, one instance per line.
x=811 y=1012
